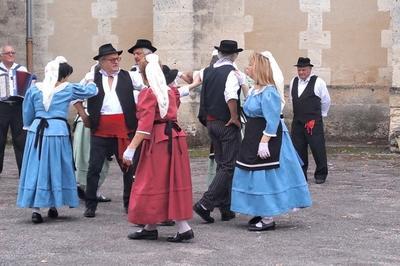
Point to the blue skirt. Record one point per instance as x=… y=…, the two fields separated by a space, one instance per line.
x=50 y=181
x=275 y=191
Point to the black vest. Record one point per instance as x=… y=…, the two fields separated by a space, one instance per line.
x=124 y=91
x=308 y=106
x=212 y=99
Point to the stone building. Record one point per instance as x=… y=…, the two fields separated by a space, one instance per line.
x=354 y=45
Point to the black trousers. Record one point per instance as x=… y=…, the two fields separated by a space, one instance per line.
x=226 y=143
x=100 y=149
x=302 y=139
x=11 y=117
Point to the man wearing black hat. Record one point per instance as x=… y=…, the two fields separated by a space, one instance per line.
x=219 y=111
x=141 y=48
x=311 y=102
x=112 y=115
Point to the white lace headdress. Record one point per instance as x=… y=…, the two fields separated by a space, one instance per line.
x=50 y=79
x=157 y=83
x=277 y=73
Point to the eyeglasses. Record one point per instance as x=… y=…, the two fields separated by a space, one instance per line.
x=9 y=53
x=112 y=60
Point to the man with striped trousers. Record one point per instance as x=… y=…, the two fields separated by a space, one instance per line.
x=219 y=111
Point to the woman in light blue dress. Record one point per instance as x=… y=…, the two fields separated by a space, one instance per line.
x=47 y=176
x=268 y=179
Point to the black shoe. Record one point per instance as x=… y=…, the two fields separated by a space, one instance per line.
x=89 y=213
x=81 y=193
x=204 y=214
x=263 y=227
x=319 y=181
x=181 y=237
x=36 y=218
x=227 y=215
x=167 y=223
x=102 y=198
x=144 y=234
x=254 y=220
x=52 y=213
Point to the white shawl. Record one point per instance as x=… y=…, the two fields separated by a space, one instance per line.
x=157 y=83
x=50 y=79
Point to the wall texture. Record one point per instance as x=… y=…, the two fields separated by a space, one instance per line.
x=355 y=49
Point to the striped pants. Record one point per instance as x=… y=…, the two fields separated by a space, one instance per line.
x=226 y=141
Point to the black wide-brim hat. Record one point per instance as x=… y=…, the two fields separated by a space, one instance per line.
x=142 y=43
x=169 y=74
x=106 y=49
x=303 y=62
x=228 y=47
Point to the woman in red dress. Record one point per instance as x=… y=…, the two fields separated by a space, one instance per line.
x=163 y=185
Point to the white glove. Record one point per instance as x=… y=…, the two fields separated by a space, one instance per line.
x=128 y=154
x=263 y=150
x=184 y=91
x=240 y=76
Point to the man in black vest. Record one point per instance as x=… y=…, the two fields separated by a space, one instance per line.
x=10 y=105
x=112 y=115
x=311 y=102
x=219 y=111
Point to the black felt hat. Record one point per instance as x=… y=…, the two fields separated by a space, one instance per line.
x=304 y=62
x=142 y=43
x=169 y=74
x=228 y=47
x=106 y=49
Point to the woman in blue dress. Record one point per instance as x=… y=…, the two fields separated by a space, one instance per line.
x=268 y=179
x=47 y=175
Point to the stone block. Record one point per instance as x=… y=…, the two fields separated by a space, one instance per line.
x=385 y=5
x=43 y=27
x=315 y=5
x=310 y=40
x=161 y=23
x=386 y=38
x=166 y=5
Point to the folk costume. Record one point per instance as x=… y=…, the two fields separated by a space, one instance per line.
x=220 y=85
x=11 y=113
x=113 y=122
x=163 y=186
x=48 y=175
x=311 y=102
x=275 y=185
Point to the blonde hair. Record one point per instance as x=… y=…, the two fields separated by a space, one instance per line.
x=262 y=69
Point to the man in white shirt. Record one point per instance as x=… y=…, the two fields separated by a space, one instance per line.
x=219 y=112
x=311 y=102
x=112 y=115
x=10 y=105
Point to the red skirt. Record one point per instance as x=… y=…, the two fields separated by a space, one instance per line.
x=163 y=185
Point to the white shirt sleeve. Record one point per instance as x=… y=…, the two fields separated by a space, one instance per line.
x=201 y=74
x=321 y=91
x=290 y=100
x=231 y=87
x=137 y=80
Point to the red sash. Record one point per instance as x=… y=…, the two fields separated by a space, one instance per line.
x=113 y=126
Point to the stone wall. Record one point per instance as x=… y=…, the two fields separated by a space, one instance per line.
x=355 y=50
x=13 y=27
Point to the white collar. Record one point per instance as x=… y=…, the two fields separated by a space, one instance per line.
x=307 y=79
x=104 y=73
x=4 y=66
